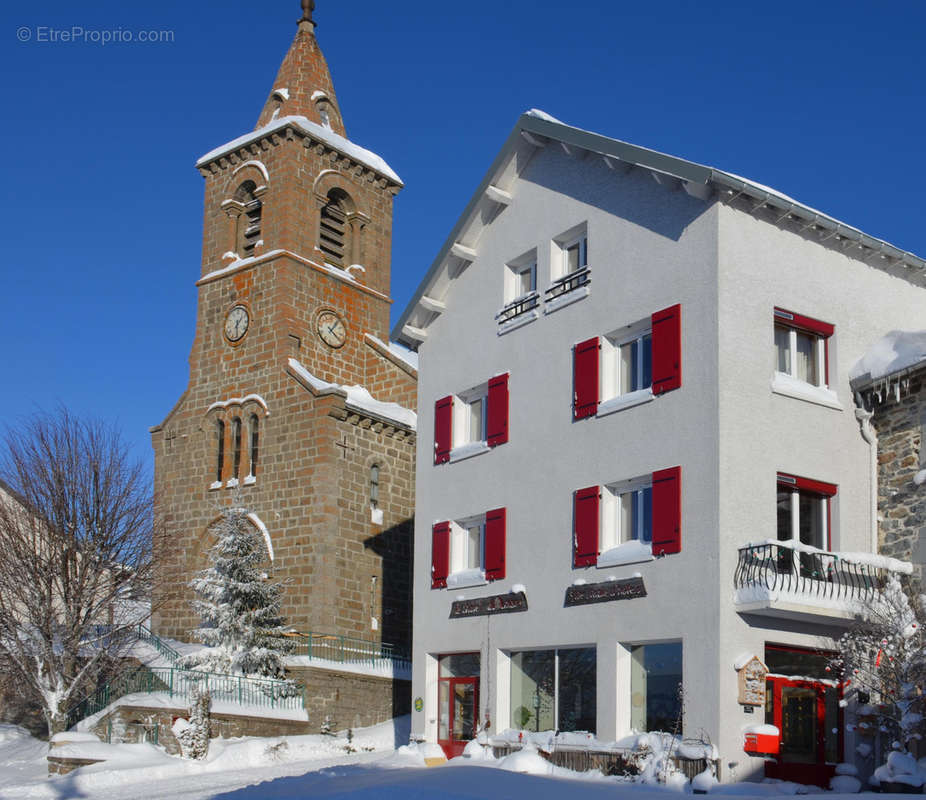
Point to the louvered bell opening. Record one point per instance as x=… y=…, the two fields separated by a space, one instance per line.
x=252 y=212
x=333 y=233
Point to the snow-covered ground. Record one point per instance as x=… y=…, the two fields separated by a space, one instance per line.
x=287 y=768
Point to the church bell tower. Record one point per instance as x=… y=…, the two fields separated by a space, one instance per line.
x=297 y=407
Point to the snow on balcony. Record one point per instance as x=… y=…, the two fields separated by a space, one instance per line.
x=792 y=580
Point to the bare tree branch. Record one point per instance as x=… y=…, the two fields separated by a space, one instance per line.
x=76 y=533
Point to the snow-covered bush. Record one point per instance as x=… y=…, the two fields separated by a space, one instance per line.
x=242 y=626
x=193 y=735
x=882 y=655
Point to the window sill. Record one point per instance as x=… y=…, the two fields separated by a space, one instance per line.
x=801 y=390
x=565 y=299
x=518 y=321
x=376 y=515
x=215 y=485
x=627 y=553
x=468 y=451
x=623 y=401
x=231 y=483
x=249 y=480
x=463 y=579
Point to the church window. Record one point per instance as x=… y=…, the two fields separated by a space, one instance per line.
x=220 y=449
x=236 y=439
x=334 y=228
x=255 y=442
x=249 y=221
x=374 y=486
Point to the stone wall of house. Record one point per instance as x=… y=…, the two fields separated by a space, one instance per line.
x=900 y=419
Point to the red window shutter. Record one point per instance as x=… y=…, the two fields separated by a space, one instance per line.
x=443 y=429
x=585 y=379
x=497 y=423
x=585 y=540
x=495 y=544
x=667 y=511
x=667 y=349
x=440 y=554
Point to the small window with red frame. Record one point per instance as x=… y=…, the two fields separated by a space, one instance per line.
x=802 y=347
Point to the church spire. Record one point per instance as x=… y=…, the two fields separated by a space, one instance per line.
x=303 y=86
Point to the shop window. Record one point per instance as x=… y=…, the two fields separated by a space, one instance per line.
x=554 y=690
x=655 y=687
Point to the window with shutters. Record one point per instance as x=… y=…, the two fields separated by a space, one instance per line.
x=334 y=228
x=801 y=358
x=471 y=422
x=628 y=521
x=570 y=274
x=628 y=366
x=248 y=232
x=469 y=551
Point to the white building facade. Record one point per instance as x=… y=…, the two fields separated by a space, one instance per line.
x=645 y=449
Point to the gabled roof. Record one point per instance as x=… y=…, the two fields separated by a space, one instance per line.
x=535 y=130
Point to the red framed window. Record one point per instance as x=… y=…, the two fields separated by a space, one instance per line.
x=474 y=546
x=804 y=510
x=802 y=347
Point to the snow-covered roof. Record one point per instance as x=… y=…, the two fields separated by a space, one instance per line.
x=316 y=131
x=357 y=398
x=536 y=128
x=898 y=351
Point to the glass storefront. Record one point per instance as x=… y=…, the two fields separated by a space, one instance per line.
x=554 y=689
x=655 y=684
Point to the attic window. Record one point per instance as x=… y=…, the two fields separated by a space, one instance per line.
x=249 y=221
x=334 y=227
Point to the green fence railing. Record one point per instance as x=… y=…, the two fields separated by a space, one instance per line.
x=145 y=635
x=179 y=683
x=348 y=650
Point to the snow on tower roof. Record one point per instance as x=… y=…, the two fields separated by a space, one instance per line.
x=316 y=131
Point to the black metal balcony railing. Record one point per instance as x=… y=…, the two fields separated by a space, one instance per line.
x=517 y=307
x=814 y=574
x=569 y=282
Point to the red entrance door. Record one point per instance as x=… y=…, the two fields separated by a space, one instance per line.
x=458 y=712
x=808 y=717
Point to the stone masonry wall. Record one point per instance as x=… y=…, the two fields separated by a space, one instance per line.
x=901 y=502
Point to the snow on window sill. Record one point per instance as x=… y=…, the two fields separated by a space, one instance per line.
x=464 y=578
x=628 y=400
x=518 y=322
x=231 y=483
x=565 y=299
x=468 y=450
x=215 y=485
x=376 y=515
x=789 y=386
x=249 y=480
x=627 y=553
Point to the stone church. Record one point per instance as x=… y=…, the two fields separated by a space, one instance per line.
x=298 y=407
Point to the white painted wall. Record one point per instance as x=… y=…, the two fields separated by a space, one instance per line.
x=648 y=249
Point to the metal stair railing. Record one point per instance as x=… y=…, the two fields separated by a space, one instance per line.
x=177 y=682
x=348 y=650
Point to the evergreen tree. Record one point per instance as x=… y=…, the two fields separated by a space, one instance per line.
x=242 y=626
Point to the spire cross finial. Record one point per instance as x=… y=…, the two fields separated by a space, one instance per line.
x=308 y=6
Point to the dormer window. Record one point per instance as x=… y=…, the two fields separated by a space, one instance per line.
x=334 y=228
x=249 y=220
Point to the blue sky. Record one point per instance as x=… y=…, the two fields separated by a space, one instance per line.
x=103 y=208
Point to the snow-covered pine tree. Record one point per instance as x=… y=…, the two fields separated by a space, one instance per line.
x=242 y=626
x=193 y=734
x=882 y=655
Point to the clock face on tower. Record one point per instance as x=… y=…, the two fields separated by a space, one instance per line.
x=236 y=323
x=331 y=329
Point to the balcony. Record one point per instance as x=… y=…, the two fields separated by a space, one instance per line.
x=518 y=308
x=790 y=580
